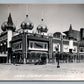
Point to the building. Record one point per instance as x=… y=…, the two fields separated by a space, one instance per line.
x=3 y=47
x=25 y=46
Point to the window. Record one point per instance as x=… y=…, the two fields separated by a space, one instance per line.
x=17 y=45
x=45 y=46
x=31 y=45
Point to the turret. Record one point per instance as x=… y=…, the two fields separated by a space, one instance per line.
x=42 y=28
x=10 y=28
x=70 y=39
x=27 y=25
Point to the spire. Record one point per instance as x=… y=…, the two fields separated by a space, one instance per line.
x=70 y=32
x=70 y=28
x=10 y=22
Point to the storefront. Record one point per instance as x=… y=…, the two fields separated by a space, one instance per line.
x=29 y=49
x=36 y=49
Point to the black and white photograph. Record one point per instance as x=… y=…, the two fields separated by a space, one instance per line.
x=42 y=42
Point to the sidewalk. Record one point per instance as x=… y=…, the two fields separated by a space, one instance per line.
x=67 y=71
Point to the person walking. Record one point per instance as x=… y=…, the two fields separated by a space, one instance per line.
x=57 y=58
x=14 y=59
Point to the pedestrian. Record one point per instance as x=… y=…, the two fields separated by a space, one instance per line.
x=14 y=59
x=58 y=58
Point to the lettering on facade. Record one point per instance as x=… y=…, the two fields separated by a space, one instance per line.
x=37 y=45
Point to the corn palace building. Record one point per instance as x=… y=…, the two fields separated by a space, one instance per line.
x=28 y=47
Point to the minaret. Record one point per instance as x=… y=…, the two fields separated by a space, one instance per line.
x=70 y=39
x=10 y=28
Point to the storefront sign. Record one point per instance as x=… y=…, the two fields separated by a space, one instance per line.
x=37 y=45
x=65 y=48
x=74 y=49
x=56 y=46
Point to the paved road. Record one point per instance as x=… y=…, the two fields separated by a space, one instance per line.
x=67 y=71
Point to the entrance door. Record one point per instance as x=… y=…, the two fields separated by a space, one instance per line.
x=31 y=57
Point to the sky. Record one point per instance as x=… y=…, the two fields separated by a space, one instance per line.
x=57 y=17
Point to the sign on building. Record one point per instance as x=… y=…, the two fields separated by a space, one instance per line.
x=65 y=48
x=74 y=49
x=37 y=45
x=56 y=46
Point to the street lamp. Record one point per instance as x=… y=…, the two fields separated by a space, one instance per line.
x=78 y=50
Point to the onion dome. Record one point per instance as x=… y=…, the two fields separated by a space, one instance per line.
x=57 y=34
x=27 y=24
x=8 y=25
x=3 y=26
x=42 y=27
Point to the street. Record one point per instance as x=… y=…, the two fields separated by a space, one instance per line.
x=67 y=71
